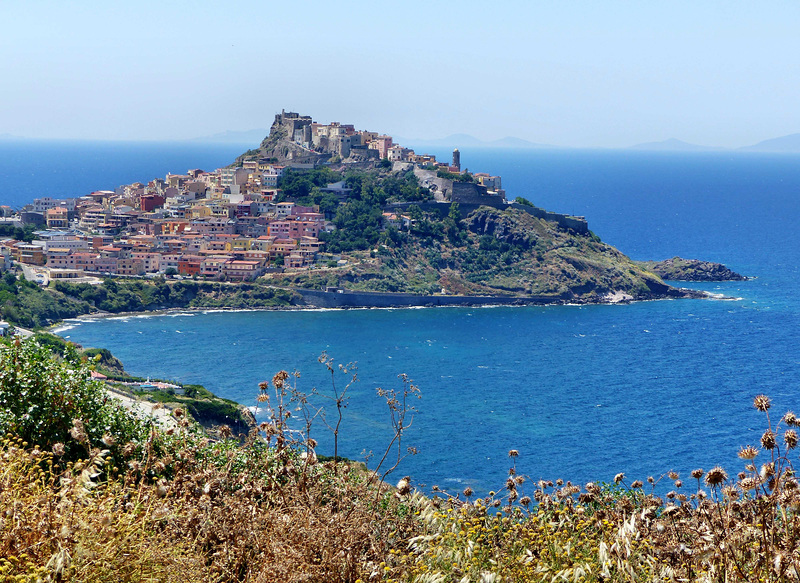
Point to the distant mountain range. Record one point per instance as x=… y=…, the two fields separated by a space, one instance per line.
x=252 y=138
x=790 y=143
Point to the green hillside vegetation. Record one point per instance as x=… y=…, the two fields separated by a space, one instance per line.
x=90 y=493
x=135 y=295
x=26 y=304
x=490 y=252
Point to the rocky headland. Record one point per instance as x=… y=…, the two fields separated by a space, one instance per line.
x=678 y=269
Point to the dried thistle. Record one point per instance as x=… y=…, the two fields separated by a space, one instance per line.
x=762 y=403
x=279 y=379
x=768 y=440
x=790 y=438
x=698 y=473
x=513 y=453
x=715 y=477
x=78 y=432
x=619 y=477
x=748 y=452
x=404 y=486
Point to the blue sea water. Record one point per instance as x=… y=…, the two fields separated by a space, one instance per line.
x=583 y=392
x=61 y=169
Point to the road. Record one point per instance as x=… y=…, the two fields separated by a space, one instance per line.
x=157 y=411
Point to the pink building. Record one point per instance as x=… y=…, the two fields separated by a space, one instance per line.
x=382 y=144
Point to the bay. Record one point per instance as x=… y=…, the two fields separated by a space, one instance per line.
x=583 y=392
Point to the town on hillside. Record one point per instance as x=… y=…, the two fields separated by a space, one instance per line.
x=232 y=223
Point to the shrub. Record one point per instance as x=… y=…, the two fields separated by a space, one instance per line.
x=44 y=399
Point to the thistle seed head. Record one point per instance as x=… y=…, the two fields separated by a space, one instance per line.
x=279 y=379
x=78 y=432
x=513 y=453
x=715 y=477
x=730 y=493
x=748 y=452
x=768 y=440
x=790 y=438
x=592 y=488
x=698 y=473
x=618 y=478
x=404 y=486
x=762 y=403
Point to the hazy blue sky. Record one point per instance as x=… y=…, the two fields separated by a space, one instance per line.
x=576 y=73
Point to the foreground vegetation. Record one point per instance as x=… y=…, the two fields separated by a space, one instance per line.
x=90 y=493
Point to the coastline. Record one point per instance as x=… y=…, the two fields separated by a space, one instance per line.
x=420 y=302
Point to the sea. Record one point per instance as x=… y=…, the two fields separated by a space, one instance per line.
x=582 y=392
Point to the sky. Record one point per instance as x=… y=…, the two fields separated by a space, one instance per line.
x=573 y=73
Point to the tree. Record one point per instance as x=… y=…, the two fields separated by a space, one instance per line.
x=523 y=201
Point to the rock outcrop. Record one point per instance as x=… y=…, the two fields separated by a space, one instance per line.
x=678 y=269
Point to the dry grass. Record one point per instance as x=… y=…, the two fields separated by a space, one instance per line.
x=202 y=512
x=180 y=507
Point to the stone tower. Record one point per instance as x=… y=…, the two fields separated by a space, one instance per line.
x=457 y=159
